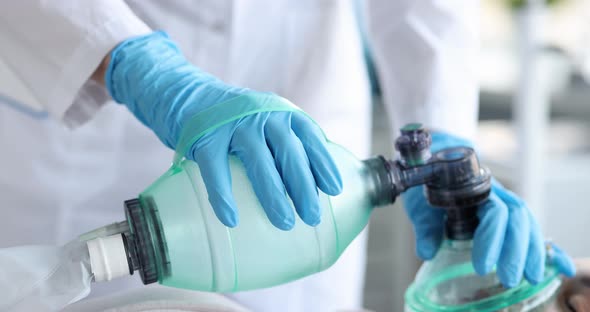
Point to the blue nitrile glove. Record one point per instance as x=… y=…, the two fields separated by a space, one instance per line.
x=283 y=152
x=507 y=236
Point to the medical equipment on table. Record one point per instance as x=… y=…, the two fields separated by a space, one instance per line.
x=172 y=236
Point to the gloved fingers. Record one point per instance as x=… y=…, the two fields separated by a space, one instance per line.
x=293 y=166
x=428 y=222
x=323 y=167
x=558 y=258
x=516 y=242
x=212 y=158
x=248 y=144
x=489 y=234
x=535 y=261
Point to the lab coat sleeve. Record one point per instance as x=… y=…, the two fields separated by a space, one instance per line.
x=53 y=47
x=425 y=56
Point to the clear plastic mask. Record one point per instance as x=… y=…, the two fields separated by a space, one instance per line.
x=449 y=283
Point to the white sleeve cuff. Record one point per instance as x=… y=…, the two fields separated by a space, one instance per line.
x=76 y=97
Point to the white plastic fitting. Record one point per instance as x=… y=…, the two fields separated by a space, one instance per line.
x=108 y=259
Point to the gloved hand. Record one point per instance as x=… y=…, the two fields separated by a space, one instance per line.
x=507 y=236
x=283 y=152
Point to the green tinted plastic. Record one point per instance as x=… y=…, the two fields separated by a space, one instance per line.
x=228 y=111
x=503 y=299
x=205 y=255
x=449 y=283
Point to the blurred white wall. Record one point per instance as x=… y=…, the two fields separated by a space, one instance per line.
x=562 y=128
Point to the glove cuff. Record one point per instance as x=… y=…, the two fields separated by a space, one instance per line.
x=121 y=54
x=150 y=76
x=442 y=140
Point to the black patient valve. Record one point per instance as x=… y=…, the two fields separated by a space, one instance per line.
x=453 y=178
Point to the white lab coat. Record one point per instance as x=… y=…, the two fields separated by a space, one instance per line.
x=57 y=182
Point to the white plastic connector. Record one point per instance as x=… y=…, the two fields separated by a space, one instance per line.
x=108 y=259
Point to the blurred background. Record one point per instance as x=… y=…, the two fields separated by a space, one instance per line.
x=534 y=133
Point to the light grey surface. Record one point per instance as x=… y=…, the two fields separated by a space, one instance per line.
x=157 y=298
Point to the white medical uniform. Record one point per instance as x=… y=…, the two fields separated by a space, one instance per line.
x=71 y=172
